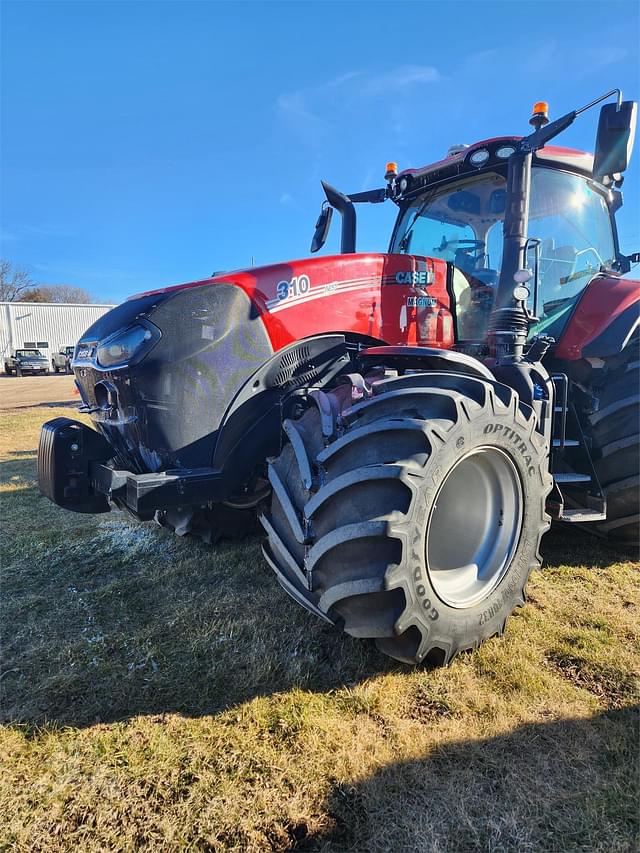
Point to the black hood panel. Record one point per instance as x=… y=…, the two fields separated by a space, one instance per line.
x=169 y=405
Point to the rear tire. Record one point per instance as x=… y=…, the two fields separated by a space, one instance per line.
x=614 y=431
x=373 y=532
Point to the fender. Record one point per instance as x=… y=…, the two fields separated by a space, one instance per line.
x=603 y=301
x=250 y=429
x=616 y=336
x=426 y=358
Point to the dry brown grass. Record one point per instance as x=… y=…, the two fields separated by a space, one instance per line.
x=159 y=693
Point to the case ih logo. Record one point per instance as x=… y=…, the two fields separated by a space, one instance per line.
x=422 y=277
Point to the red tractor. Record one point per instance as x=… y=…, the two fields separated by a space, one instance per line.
x=405 y=425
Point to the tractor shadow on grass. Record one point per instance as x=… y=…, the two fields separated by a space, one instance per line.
x=567 y=784
x=110 y=619
x=576 y=545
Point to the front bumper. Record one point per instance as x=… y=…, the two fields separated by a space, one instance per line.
x=33 y=368
x=74 y=474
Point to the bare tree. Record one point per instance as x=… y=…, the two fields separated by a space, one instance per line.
x=16 y=285
x=15 y=282
x=58 y=293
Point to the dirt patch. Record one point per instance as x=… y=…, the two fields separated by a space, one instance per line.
x=610 y=684
x=19 y=392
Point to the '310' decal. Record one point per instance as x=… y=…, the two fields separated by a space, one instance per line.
x=298 y=286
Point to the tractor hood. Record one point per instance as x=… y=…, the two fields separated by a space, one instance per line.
x=359 y=293
x=161 y=370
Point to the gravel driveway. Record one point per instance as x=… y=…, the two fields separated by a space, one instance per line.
x=19 y=392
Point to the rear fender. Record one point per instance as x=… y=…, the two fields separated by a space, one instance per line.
x=616 y=336
x=603 y=321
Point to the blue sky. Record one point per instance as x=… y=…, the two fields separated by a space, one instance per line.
x=149 y=143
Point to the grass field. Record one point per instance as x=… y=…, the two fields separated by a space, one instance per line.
x=158 y=693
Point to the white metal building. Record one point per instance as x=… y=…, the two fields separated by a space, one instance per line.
x=47 y=326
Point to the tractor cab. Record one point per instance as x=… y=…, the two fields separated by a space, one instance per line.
x=461 y=219
x=524 y=225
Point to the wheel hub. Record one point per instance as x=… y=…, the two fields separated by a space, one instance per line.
x=474 y=527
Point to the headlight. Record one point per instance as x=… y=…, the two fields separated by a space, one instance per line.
x=479 y=157
x=505 y=151
x=120 y=348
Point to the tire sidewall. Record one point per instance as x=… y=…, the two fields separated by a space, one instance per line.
x=464 y=627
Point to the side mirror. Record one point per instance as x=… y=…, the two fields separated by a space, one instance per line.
x=625 y=262
x=614 y=142
x=322 y=228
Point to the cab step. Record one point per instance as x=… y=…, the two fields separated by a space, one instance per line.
x=572 y=477
x=579 y=515
x=577 y=496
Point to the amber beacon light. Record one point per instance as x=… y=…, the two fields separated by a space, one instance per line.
x=539 y=114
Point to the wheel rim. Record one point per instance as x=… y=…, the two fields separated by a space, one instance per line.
x=474 y=527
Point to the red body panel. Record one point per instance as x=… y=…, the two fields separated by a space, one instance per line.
x=399 y=299
x=601 y=302
x=370 y=294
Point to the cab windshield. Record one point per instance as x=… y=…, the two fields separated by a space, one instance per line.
x=29 y=353
x=462 y=223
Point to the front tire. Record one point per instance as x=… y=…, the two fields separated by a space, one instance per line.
x=419 y=524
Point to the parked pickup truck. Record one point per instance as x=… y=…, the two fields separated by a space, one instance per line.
x=62 y=360
x=26 y=361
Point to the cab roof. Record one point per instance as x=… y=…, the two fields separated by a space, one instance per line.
x=567 y=158
x=411 y=182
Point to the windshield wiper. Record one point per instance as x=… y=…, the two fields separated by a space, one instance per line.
x=402 y=245
x=574 y=275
